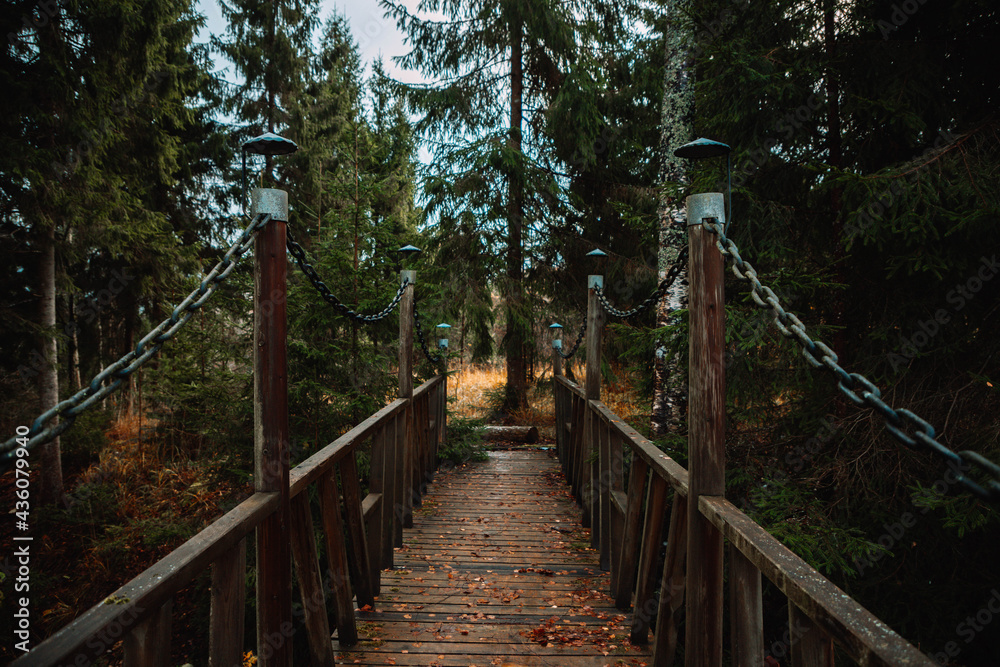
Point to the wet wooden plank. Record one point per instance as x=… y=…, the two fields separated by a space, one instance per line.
x=496 y=570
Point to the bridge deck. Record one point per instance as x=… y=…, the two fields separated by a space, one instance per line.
x=496 y=571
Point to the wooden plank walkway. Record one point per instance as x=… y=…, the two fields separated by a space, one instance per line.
x=496 y=571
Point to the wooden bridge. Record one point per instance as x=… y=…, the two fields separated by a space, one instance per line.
x=591 y=556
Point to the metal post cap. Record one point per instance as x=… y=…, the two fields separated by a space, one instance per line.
x=269 y=200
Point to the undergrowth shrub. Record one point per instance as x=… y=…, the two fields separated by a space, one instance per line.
x=465 y=441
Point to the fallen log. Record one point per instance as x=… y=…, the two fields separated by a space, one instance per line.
x=527 y=434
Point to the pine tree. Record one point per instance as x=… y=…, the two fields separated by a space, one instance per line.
x=480 y=137
x=73 y=191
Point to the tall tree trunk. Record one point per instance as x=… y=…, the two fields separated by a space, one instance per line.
x=73 y=347
x=517 y=383
x=676 y=120
x=50 y=458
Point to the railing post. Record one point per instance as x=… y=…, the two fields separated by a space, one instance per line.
x=706 y=432
x=404 y=511
x=270 y=429
x=591 y=483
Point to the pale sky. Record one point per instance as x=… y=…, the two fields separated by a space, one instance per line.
x=373 y=33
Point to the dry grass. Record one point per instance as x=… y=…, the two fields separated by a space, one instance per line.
x=473 y=386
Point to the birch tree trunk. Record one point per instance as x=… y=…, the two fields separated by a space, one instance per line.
x=676 y=120
x=49 y=455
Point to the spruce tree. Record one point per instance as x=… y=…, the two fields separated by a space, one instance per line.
x=484 y=169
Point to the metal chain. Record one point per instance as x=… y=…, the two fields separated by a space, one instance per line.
x=300 y=258
x=116 y=373
x=579 y=339
x=819 y=355
x=420 y=337
x=672 y=273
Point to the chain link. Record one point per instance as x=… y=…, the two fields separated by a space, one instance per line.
x=299 y=254
x=576 y=345
x=109 y=379
x=673 y=272
x=420 y=337
x=904 y=425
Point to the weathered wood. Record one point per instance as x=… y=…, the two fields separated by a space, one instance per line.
x=672 y=585
x=652 y=537
x=661 y=464
x=619 y=501
x=372 y=510
x=746 y=615
x=356 y=537
x=604 y=488
x=141 y=596
x=810 y=646
x=578 y=410
x=624 y=576
x=398 y=487
x=459 y=598
x=271 y=438
x=706 y=431
x=336 y=553
x=528 y=434
x=225 y=643
x=148 y=644
x=865 y=639
x=592 y=391
x=323 y=461
x=310 y=582
x=407 y=451
x=443 y=421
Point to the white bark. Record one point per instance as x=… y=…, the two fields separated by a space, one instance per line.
x=49 y=456
x=669 y=397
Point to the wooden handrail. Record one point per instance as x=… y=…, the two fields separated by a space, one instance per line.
x=660 y=463
x=142 y=596
x=322 y=461
x=863 y=636
x=813 y=598
x=148 y=595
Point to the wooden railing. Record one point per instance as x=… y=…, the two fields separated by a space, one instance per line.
x=629 y=525
x=628 y=518
x=359 y=533
x=359 y=536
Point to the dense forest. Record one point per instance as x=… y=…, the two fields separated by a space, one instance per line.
x=865 y=188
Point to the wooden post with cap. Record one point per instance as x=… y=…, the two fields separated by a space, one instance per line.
x=270 y=430
x=706 y=432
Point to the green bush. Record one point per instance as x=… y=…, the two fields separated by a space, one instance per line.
x=465 y=441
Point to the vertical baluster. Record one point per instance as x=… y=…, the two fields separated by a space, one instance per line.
x=604 y=487
x=624 y=576
x=746 y=617
x=310 y=582
x=810 y=646
x=358 y=552
x=672 y=584
x=379 y=521
x=336 y=553
x=225 y=644
x=148 y=643
x=652 y=538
